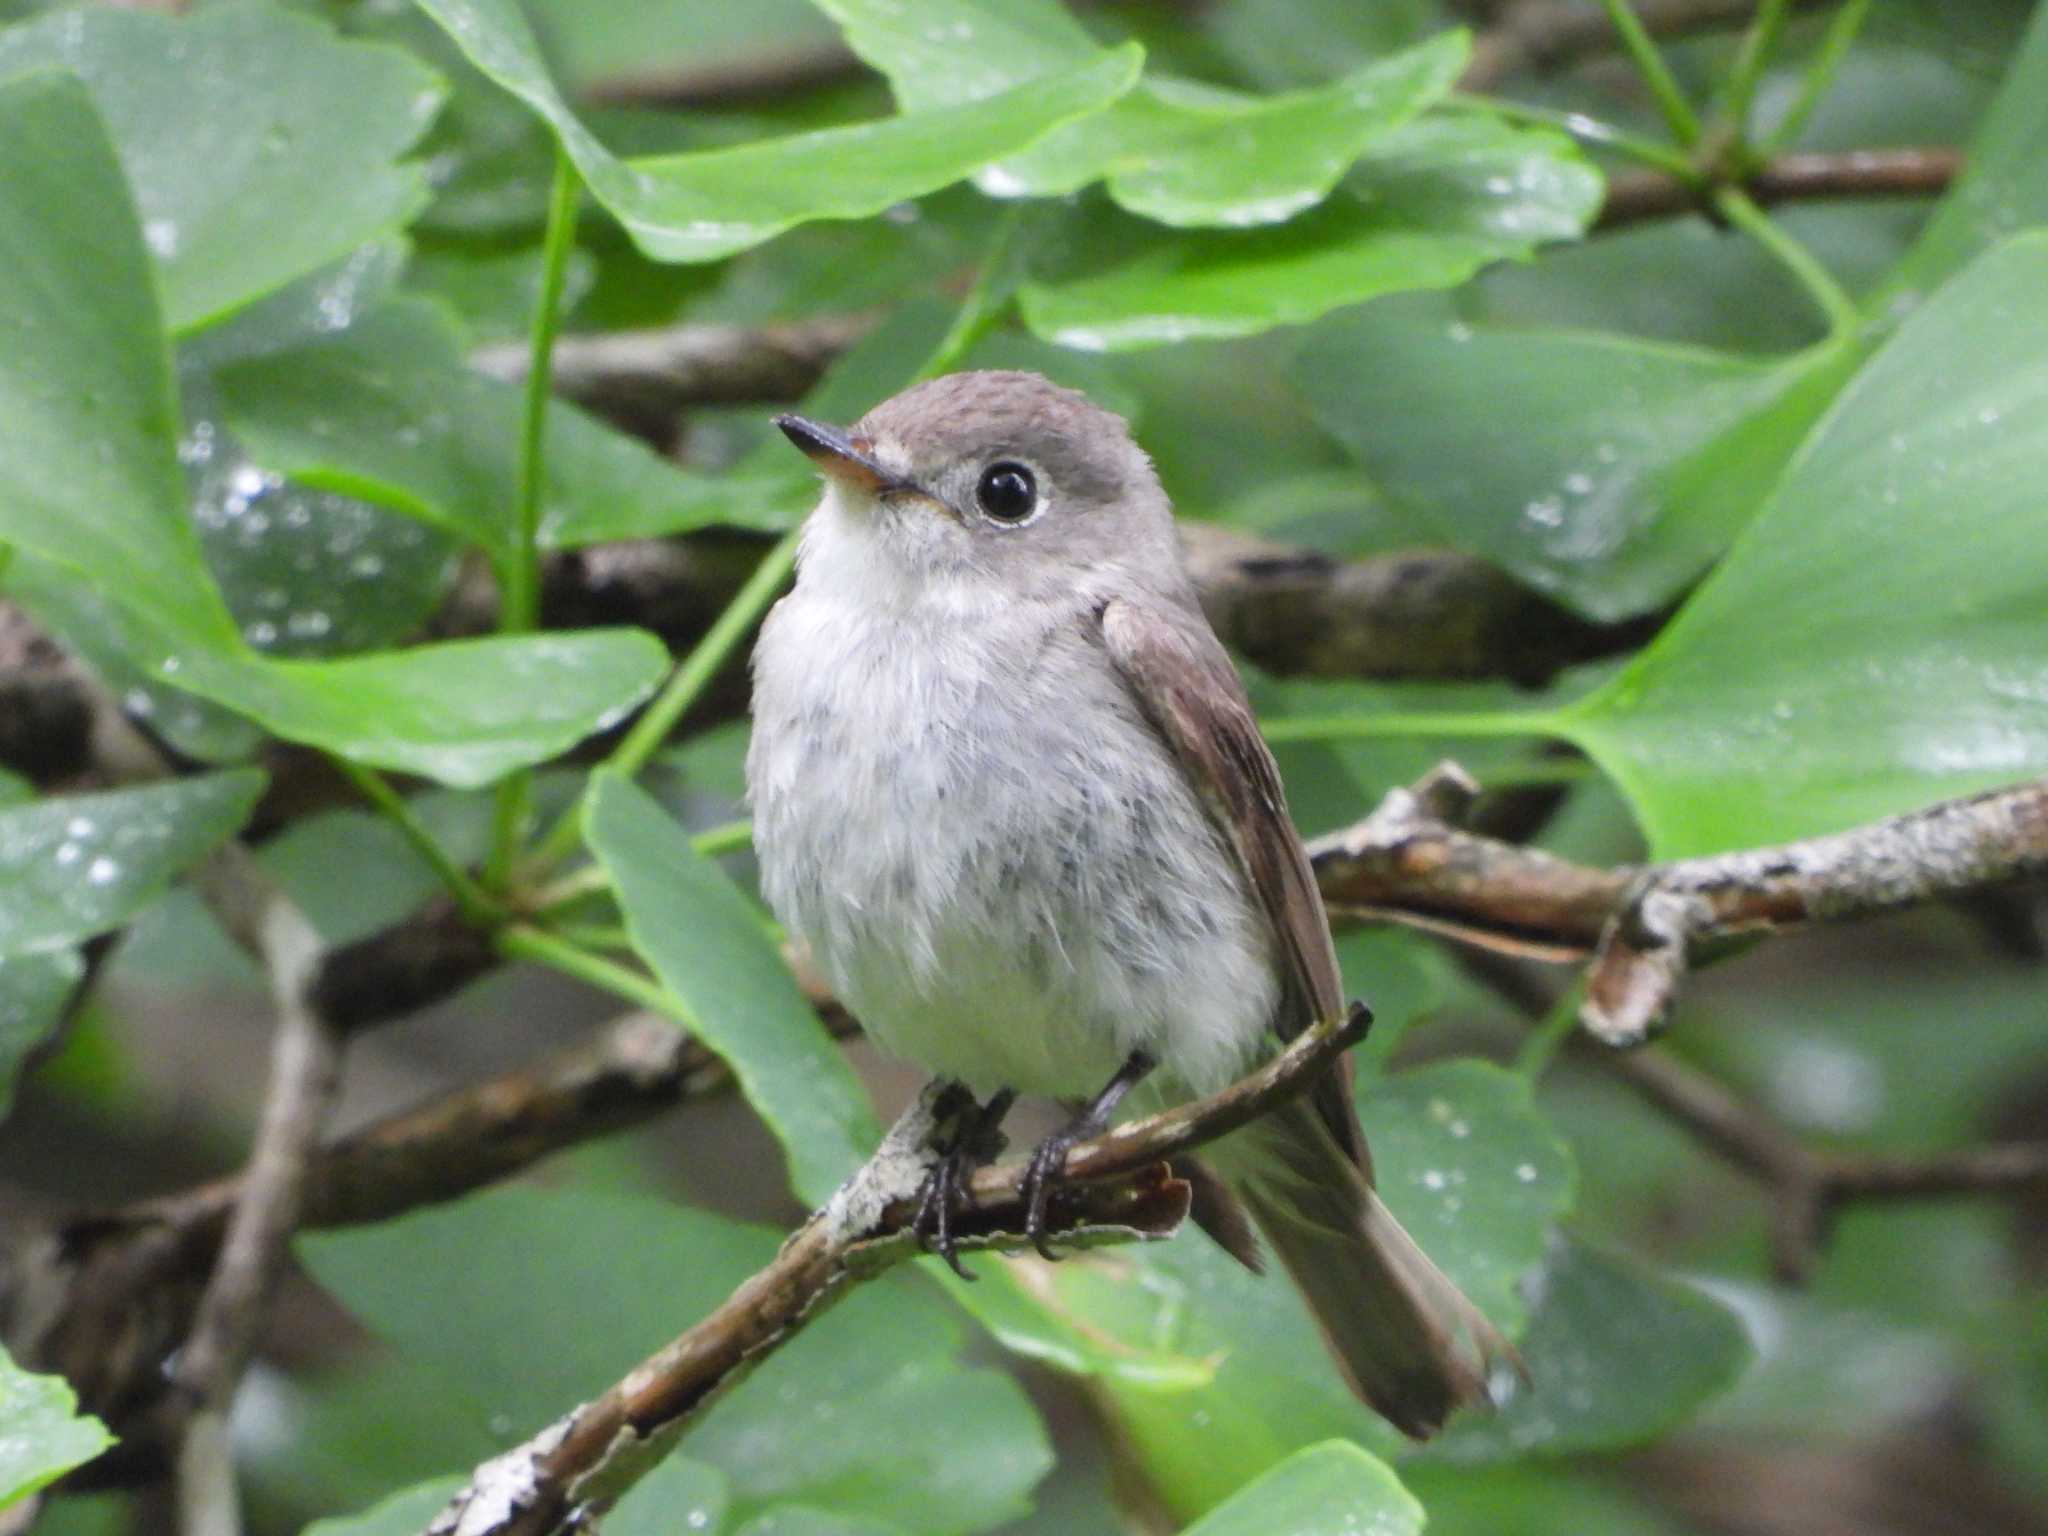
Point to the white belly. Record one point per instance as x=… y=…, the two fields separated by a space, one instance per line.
x=1001 y=892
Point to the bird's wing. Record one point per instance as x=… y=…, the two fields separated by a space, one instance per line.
x=1185 y=685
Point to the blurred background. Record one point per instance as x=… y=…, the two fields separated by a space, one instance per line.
x=1563 y=445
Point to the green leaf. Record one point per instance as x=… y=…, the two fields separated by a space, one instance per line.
x=801 y=1520
x=1773 y=707
x=1171 y=151
x=1617 y=1355
x=72 y=866
x=2003 y=187
x=1326 y=1490
x=893 y=1427
x=465 y=713
x=708 y=204
x=679 y=1495
x=389 y=410
x=33 y=991
x=305 y=571
x=42 y=1433
x=1471 y=1168
x=1430 y=204
x=711 y=949
x=259 y=145
x=85 y=386
x=91 y=485
x=1606 y=470
x=405 y=1513
x=316 y=305
x=1474 y=1171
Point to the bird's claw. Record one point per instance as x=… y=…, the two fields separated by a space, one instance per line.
x=945 y=1192
x=1041 y=1179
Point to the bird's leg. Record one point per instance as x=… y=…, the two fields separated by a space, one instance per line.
x=1050 y=1159
x=976 y=1138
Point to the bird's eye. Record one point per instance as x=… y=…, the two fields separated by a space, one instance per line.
x=1007 y=492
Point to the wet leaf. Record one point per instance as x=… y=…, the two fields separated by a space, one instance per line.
x=72 y=866
x=1870 y=645
x=1470 y=1167
x=711 y=949
x=390 y=411
x=707 y=204
x=1430 y=204
x=259 y=146
x=1617 y=1355
x=91 y=485
x=1171 y=150
x=1607 y=470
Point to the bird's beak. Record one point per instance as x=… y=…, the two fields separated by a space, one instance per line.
x=846 y=458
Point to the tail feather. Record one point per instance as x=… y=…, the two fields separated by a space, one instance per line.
x=1410 y=1343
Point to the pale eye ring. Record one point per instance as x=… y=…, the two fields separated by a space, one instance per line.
x=1007 y=492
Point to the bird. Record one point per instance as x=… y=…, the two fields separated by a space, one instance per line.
x=1010 y=798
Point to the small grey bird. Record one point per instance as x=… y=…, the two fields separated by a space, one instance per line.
x=1009 y=794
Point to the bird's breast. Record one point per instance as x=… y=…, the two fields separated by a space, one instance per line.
x=987 y=850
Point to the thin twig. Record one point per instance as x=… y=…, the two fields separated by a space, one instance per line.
x=1122 y=1190
x=305 y=1071
x=1636 y=196
x=1410 y=861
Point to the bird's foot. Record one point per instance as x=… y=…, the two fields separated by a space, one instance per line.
x=1049 y=1161
x=976 y=1139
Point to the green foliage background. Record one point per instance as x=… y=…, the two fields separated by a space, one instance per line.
x=245 y=255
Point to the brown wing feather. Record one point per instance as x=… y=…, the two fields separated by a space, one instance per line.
x=1184 y=682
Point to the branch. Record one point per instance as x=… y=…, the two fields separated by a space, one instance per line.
x=305 y=1072
x=1411 y=862
x=1424 y=614
x=1635 y=196
x=1809 y=1185
x=587 y=1459
x=1673 y=912
x=654 y=374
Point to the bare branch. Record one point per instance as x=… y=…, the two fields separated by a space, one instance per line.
x=1809 y=1185
x=1635 y=196
x=1422 y=614
x=305 y=1071
x=1672 y=912
x=648 y=374
x=587 y=1459
x=1410 y=862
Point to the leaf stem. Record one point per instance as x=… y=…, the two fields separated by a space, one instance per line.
x=523 y=942
x=1587 y=130
x=1635 y=39
x=1365 y=727
x=1758 y=44
x=476 y=904
x=1540 y=1046
x=1820 y=74
x=685 y=684
x=522 y=578
x=1830 y=297
x=521 y=608
x=986 y=302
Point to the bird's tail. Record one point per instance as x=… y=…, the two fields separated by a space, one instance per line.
x=1410 y=1343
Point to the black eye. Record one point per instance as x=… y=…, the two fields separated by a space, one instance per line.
x=1007 y=492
